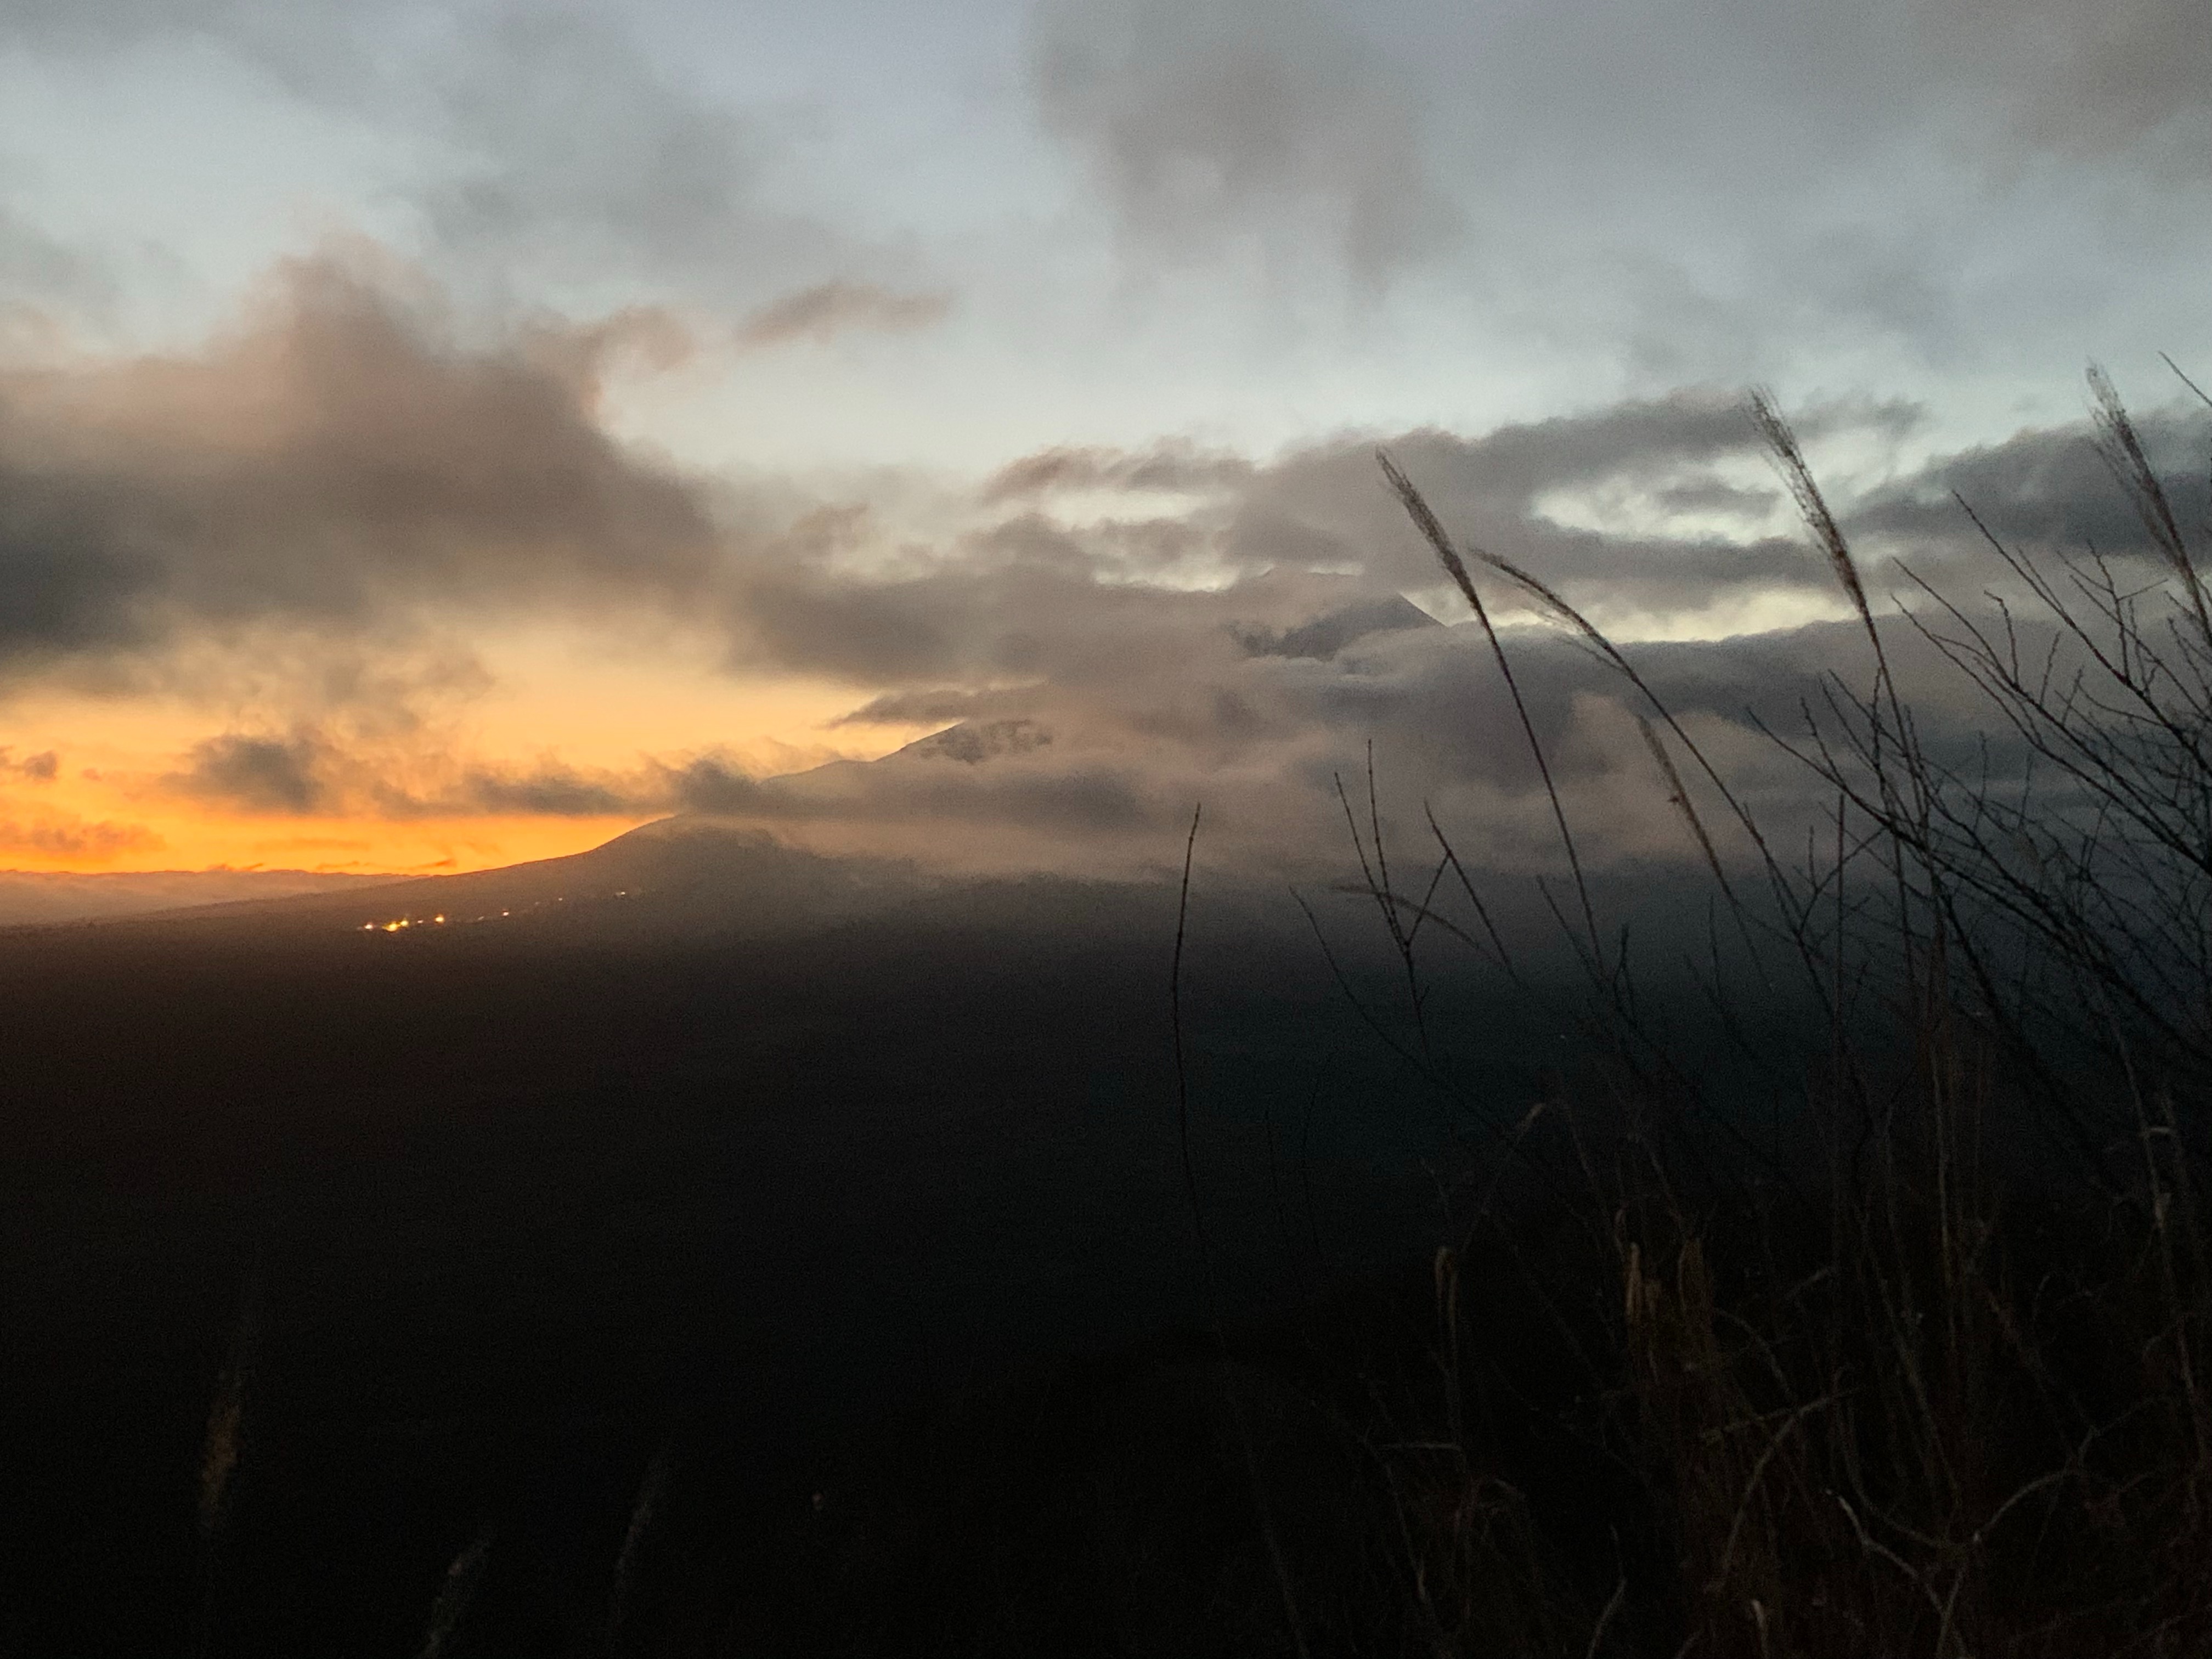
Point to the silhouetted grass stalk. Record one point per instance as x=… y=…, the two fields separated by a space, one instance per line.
x=1916 y=1415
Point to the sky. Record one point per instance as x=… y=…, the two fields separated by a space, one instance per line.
x=438 y=435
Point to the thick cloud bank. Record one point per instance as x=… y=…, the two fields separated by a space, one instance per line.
x=1111 y=637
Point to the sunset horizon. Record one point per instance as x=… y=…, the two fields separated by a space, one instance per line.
x=441 y=437
x=1105 y=829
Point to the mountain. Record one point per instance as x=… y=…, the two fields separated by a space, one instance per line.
x=1327 y=635
x=690 y=875
x=694 y=873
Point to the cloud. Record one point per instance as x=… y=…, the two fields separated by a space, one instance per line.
x=63 y=836
x=1210 y=121
x=345 y=481
x=313 y=771
x=708 y=784
x=827 y=309
x=1103 y=778
x=2052 y=490
x=582 y=158
x=1168 y=467
x=1637 y=193
x=930 y=706
x=36 y=266
x=549 y=791
x=1663 y=192
x=547 y=145
x=1256 y=694
x=342 y=470
x=255 y=775
x=293 y=38
x=1088 y=706
x=972 y=743
x=2083 y=78
x=324 y=771
x=944 y=782
x=1649 y=473
x=41 y=767
x=339 y=465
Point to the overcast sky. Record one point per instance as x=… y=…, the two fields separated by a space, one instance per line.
x=434 y=434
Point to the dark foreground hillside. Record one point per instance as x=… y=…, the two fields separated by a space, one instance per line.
x=697 y=1248
x=582 y=1283
x=1797 y=1248
x=640 y=1272
x=484 y=1218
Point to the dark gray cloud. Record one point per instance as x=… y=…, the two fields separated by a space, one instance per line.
x=316 y=771
x=1687 y=470
x=1257 y=695
x=1644 y=193
x=2051 y=490
x=582 y=158
x=553 y=148
x=38 y=268
x=1686 y=77
x=1667 y=192
x=2084 y=77
x=67 y=837
x=941 y=784
x=1327 y=505
x=829 y=309
x=1328 y=635
x=1170 y=467
x=344 y=468
x=256 y=774
x=339 y=466
x=926 y=707
x=41 y=767
x=550 y=791
x=1265 y=744
x=1209 y=120
x=1115 y=637
x=1103 y=777
x=973 y=742
x=297 y=40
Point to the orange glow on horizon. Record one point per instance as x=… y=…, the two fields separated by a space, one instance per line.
x=432 y=847
x=110 y=798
